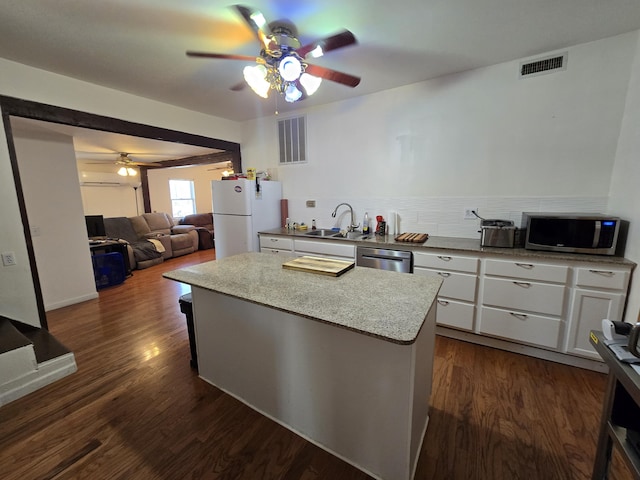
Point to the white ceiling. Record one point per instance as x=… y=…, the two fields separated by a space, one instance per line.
x=138 y=46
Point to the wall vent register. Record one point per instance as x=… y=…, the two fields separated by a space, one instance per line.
x=292 y=139
x=543 y=65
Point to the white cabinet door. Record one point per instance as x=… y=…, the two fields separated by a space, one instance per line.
x=455 y=314
x=537 y=297
x=588 y=308
x=456 y=285
x=277 y=243
x=331 y=248
x=523 y=327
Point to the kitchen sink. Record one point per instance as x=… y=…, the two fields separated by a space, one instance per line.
x=348 y=235
x=322 y=233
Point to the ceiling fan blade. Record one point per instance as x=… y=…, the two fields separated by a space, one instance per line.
x=247 y=58
x=333 y=42
x=256 y=22
x=333 y=75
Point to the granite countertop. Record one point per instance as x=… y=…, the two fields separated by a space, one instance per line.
x=388 y=305
x=462 y=245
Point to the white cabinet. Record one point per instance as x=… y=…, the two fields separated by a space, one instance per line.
x=275 y=244
x=523 y=301
x=330 y=249
x=599 y=293
x=457 y=296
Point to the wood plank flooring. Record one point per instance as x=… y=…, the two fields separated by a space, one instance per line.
x=135 y=409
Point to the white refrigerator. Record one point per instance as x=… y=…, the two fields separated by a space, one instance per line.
x=241 y=209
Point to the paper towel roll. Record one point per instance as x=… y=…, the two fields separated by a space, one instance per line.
x=392 y=223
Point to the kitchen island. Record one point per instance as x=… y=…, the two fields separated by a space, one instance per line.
x=345 y=362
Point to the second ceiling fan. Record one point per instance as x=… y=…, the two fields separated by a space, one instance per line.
x=282 y=62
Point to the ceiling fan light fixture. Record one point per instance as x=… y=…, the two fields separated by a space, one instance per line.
x=127 y=172
x=316 y=52
x=310 y=83
x=290 y=68
x=255 y=78
x=292 y=94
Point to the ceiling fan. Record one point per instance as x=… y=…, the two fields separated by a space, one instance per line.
x=281 y=64
x=124 y=159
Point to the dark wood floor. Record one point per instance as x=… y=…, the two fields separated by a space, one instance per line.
x=135 y=409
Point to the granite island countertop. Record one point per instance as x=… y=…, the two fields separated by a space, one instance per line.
x=455 y=244
x=379 y=303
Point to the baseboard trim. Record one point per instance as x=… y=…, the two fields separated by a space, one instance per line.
x=47 y=373
x=557 y=357
x=70 y=301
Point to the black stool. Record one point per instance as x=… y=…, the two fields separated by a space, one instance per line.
x=187 y=308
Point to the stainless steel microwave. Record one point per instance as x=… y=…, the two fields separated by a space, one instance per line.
x=572 y=232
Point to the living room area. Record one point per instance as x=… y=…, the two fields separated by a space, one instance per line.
x=64 y=186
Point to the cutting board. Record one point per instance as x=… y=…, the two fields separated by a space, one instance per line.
x=324 y=266
x=412 y=237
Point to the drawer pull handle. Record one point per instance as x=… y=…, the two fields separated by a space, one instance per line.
x=519 y=316
x=606 y=273
x=523 y=284
x=274 y=239
x=445 y=258
x=444 y=303
x=528 y=266
x=444 y=274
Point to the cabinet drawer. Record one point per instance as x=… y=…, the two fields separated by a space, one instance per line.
x=274 y=250
x=527 y=270
x=281 y=243
x=325 y=248
x=450 y=313
x=460 y=286
x=446 y=262
x=520 y=295
x=608 y=278
x=534 y=329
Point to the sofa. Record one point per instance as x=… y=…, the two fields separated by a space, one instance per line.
x=152 y=238
x=203 y=223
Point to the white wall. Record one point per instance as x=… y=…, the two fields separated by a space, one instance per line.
x=17 y=294
x=110 y=201
x=47 y=166
x=479 y=138
x=625 y=194
x=201 y=175
x=21 y=81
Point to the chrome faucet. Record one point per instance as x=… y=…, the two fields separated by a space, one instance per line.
x=352 y=225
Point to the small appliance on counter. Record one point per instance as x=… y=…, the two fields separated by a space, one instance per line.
x=496 y=233
x=574 y=233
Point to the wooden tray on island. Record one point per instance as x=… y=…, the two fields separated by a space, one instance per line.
x=412 y=237
x=323 y=266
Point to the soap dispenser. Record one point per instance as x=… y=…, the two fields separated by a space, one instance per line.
x=365 y=224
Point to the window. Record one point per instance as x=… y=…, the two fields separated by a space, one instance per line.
x=183 y=201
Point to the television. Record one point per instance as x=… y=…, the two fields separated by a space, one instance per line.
x=95 y=226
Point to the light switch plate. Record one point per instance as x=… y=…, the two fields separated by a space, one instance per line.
x=8 y=259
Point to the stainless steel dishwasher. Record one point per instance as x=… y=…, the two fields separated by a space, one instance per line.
x=385 y=259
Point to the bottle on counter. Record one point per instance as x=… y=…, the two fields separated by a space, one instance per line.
x=365 y=224
x=313 y=224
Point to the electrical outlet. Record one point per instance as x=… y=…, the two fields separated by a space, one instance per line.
x=311 y=204
x=8 y=258
x=468 y=213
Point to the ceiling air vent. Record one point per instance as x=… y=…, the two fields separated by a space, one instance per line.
x=544 y=65
x=292 y=137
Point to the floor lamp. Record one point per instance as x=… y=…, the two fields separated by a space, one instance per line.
x=135 y=192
